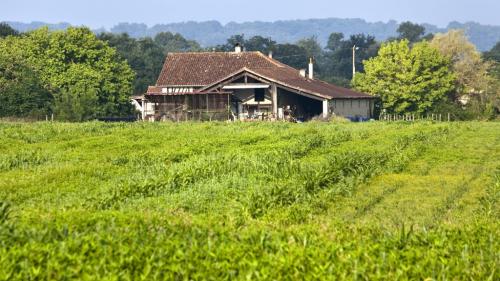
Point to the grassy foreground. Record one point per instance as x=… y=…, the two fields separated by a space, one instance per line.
x=272 y=201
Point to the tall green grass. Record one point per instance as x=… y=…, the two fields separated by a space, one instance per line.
x=248 y=201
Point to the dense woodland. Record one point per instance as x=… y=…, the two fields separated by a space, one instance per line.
x=211 y=33
x=77 y=75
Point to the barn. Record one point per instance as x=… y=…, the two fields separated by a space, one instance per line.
x=243 y=85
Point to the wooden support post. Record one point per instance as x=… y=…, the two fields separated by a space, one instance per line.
x=274 y=97
x=325 y=108
x=185 y=107
x=228 y=107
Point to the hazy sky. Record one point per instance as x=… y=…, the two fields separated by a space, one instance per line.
x=97 y=13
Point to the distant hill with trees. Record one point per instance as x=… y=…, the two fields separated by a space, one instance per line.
x=212 y=33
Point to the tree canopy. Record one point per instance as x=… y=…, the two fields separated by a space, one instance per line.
x=494 y=53
x=470 y=69
x=81 y=76
x=21 y=91
x=171 y=42
x=7 y=30
x=85 y=77
x=407 y=79
x=338 y=57
x=146 y=55
x=493 y=56
x=410 y=31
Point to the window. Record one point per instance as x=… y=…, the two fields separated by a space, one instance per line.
x=260 y=94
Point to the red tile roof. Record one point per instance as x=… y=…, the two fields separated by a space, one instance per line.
x=205 y=69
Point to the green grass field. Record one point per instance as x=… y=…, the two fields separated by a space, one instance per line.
x=252 y=201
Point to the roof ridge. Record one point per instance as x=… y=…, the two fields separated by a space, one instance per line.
x=280 y=64
x=207 y=52
x=271 y=60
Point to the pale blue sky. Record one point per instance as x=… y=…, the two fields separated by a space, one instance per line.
x=98 y=13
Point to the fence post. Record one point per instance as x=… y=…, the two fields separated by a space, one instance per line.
x=448 y=117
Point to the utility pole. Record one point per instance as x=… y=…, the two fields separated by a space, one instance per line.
x=354 y=48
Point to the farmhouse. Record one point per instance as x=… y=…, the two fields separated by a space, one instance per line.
x=242 y=86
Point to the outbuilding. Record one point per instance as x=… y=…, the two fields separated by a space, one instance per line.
x=244 y=86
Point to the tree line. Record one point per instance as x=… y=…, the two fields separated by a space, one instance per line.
x=211 y=33
x=78 y=75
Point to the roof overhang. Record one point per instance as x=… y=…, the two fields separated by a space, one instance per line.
x=258 y=76
x=240 y=86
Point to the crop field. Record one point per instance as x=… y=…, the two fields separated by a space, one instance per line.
x=250 y=201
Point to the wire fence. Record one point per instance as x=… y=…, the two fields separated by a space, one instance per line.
x=439 y=117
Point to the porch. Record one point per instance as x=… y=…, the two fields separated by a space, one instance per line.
x=234 y=103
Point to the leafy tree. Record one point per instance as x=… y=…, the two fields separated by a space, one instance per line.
x=21 y=91
x=292 y=55
x=256 y=43
x=477 y=80
x=407 y=79
x=335 y=41
x=76 y=62
x=494 y=53
x=175 y=43
x=493 y=91
x=493 y=56
x=337 y=65
x=144 y=56
x=470 y=69
x=289 y=54
x=231 y=42
x=261 y=44
x=7 y=30
x=313 y=50
x=75 y=104
x=312 y=47
x=410 y=31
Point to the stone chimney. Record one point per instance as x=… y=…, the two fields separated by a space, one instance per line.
x=270 y=54
x=311 y=68
x=302 y=73
x=237 y=48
